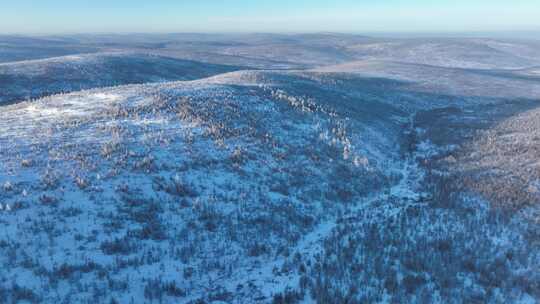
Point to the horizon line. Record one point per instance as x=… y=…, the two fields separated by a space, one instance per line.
x=232 y=32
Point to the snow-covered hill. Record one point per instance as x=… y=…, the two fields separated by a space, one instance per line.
x=456 y=53
x=36 y=78
x=195 y=174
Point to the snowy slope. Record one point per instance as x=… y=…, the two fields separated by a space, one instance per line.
x=503 y=164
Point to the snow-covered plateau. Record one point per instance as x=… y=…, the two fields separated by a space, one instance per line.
x=320 y=168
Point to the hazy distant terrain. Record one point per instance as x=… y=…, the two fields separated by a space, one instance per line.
x=265 y=168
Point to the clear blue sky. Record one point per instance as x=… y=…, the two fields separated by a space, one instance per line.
x=70 y=16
